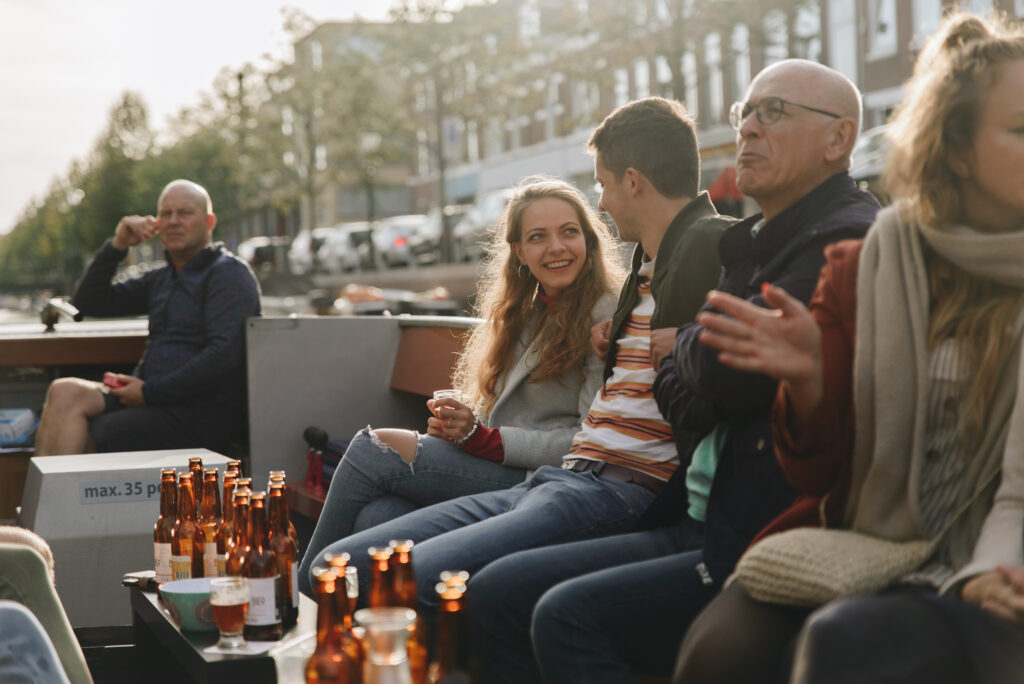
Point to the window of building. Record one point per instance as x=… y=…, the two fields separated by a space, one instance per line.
x=1018 y=7
x=807 y=32
x=321 y=157
x=776 y=37
x=740 y=45
x=621 y=91
x=316 y=55
x=713 y=67
x=422 y=152
x=641 y=79
x=287 y=120
x=493 y=138
x=529 y=21
x=585 y=102
x=472 y=142
x=927 y=15
x=881 y=28
x=842 y=44
x=663 y=76
x=692 y=96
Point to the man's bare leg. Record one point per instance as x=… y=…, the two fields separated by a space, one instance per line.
x=64 y=426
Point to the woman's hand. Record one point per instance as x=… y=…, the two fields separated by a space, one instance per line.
x=452 y=419
x=783 y=342
x=1000 y=591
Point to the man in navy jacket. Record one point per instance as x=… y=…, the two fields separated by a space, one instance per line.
x=188 y=390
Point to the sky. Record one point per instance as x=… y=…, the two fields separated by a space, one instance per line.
x=64 y=64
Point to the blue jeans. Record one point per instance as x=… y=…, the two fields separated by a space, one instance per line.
x=597 y=610
x=373 y=485
x=26 y=654
x=554 y=506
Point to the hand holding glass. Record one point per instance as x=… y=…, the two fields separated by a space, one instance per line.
x=229 y=599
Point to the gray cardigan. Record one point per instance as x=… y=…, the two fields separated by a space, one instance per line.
x=539 y=419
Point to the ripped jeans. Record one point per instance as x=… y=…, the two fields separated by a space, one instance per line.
x=374 y=485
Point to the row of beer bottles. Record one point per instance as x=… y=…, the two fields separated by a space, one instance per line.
x=338 y=656
x=245 y=541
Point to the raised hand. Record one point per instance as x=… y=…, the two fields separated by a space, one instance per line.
x=134 y=230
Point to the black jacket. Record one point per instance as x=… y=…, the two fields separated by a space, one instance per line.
x=694 y=391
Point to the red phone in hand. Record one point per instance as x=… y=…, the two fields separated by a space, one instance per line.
x=111 y=380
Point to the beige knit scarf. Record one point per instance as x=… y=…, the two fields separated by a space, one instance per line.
x=890 y=363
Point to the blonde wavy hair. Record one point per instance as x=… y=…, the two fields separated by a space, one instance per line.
x=507 y=299
x=937 y=121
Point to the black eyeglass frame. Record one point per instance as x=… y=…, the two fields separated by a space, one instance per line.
x=739 y=111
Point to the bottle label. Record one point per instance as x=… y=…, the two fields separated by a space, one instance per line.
x=181 y=567
x=262 y=601
x=162 y=561
x=295 y=584
x=210 y=559
x=222 y=564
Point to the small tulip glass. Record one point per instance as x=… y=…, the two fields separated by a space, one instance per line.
x=229 y=599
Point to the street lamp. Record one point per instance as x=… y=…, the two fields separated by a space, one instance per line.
x=369 y=143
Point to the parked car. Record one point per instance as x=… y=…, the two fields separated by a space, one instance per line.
x=868 y=160
x=339 y=252
x=392 y=237
x=426 y=243
x=263 y=252
x=302 y=254
x=473 y=232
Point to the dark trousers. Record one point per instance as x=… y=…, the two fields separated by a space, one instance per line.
x=589 y=611
x=905 y=636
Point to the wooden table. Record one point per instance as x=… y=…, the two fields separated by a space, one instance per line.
x=179 y=656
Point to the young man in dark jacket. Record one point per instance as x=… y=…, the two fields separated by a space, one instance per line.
x=628 y=615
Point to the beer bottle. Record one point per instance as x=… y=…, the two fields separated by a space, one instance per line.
x=234 y=467
x=235 y=561
x=263 y=623
x=287 y=553
x=330 y=662
x=382 y=588
x=187 y=535
x=226 y=531
x=195 y=466
x=452 y=663
x=245 y=483
x=164 y=527
x=404 y=595
x=211 y=520
x=278 y=476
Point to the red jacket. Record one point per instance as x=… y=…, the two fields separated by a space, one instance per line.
x=817 y=461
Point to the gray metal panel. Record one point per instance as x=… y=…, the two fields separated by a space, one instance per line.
x=333 y=372
x=97 y=511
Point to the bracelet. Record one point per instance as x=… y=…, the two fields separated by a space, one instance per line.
x=460 y=442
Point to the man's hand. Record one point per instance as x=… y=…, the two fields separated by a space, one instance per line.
x=134 y=230
x=1000 y=591
x=130 y=393
x=662 y=341
x=599 y=338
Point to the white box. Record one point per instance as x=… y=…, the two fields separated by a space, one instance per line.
x=97 y=512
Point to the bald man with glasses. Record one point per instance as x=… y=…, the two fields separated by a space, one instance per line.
x=609 y=609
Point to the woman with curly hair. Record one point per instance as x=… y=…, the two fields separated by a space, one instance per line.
x=527 y=375
x=900 y=412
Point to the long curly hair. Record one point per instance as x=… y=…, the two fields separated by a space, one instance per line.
x=937 y=121
x=507 y=299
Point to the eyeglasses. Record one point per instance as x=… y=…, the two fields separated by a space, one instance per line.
x=769 y=110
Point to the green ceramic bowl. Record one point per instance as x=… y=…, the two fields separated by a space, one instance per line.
x=188 y=604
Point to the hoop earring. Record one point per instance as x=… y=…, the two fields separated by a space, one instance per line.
x=523 y=271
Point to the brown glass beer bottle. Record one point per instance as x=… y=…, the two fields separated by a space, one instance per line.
x=404 y=595
x=234 y=467
x=331 y=662
x=287 y=553
x=382 y=588
x=263 y=623
x=210 y=520
x=451 y=665
x=195 y=466
x=187 y=535
x=164 y=527
x=235 y=561
x=226 y=531
x=278 y=476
